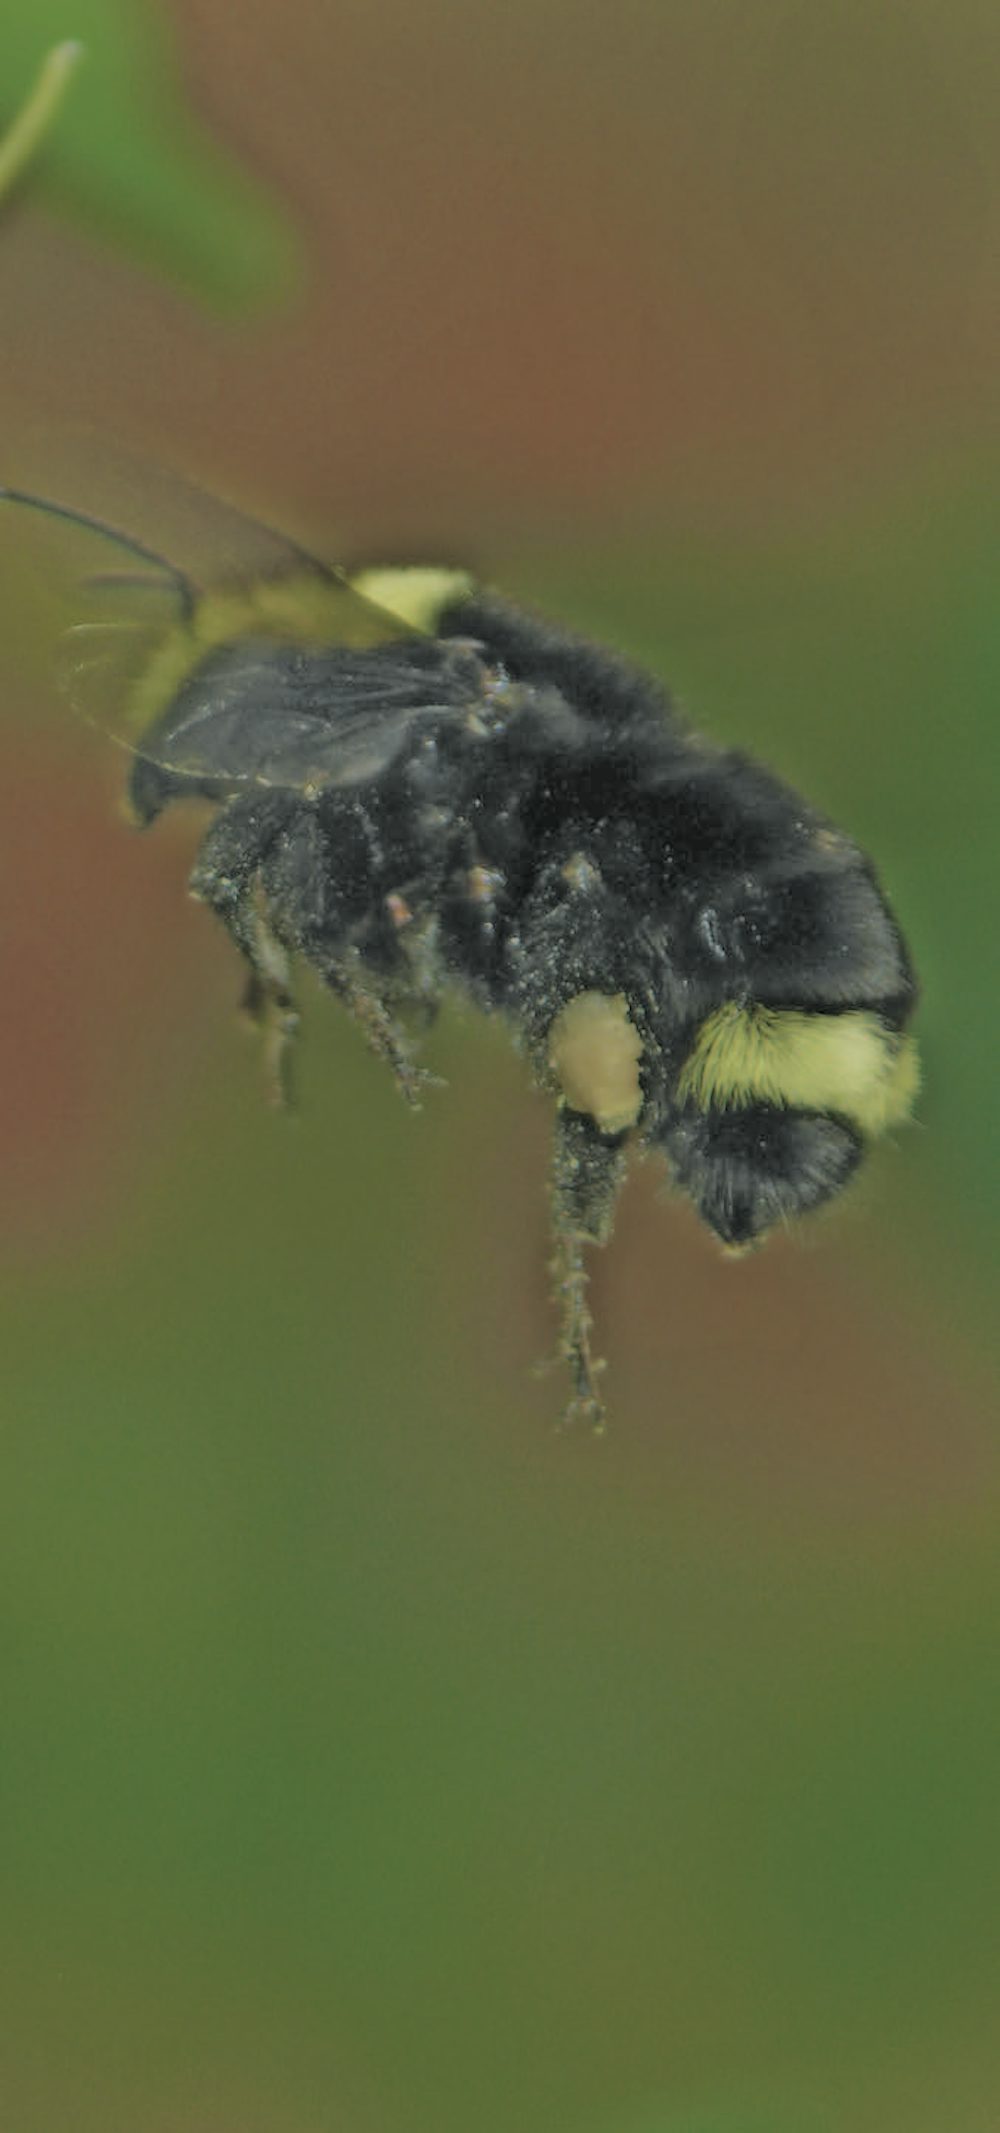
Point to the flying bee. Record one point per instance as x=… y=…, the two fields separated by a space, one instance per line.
x=418 y=787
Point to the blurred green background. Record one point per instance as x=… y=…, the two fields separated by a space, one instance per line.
x=372 y=1758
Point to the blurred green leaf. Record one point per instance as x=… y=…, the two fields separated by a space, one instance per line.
x=129 y=161
x=38 y=112
x=731 y=2117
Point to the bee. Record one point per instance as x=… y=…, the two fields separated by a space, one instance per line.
x=419 y=788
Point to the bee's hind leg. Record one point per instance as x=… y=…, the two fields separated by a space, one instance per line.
x=588 y=1169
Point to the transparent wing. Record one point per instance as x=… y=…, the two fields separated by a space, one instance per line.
x=218 y=654
x=273 y=715
x=152 y=509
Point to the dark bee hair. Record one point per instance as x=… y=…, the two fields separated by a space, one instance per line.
x=418 y=786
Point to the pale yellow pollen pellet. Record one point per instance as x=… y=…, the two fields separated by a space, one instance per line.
x=594 y=1053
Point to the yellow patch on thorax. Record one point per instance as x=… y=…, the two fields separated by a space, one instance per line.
x=418 y=593
x=307 y=609
x=848 y=1063
x=594 y=1053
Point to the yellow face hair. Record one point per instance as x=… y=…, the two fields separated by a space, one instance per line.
x=594 y=1053
x=849 y=1063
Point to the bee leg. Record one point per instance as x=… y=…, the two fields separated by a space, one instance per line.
x=267 y=1002
x=312 y=874
x=570 y=1279
x=385 y=1035
x=227 y=877
x=587 y=1172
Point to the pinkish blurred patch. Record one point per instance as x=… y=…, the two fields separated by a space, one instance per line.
x=105 y=988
